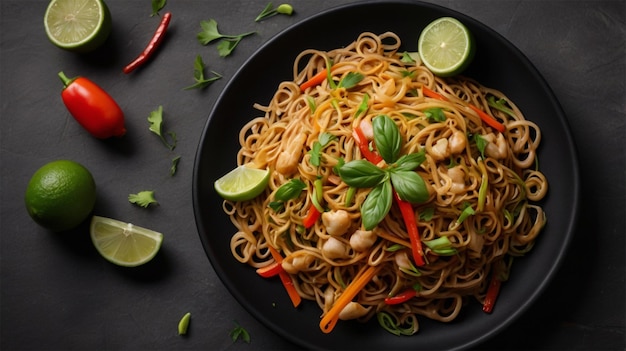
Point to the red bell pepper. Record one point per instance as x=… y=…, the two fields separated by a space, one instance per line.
x=411 y=227
x=270 y=270
x=92 y=107
x=401 y=297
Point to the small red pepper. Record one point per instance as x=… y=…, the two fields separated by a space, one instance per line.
x=92 y=107
x=364 y=146
x=401 y=297
x=270 y=270
x=492 y=293
x=154 y=43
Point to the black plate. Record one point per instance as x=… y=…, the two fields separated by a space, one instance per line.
x=497 y=64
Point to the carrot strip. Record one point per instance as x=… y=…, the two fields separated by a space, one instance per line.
x=317 y=79
x=286 y=279
x=329 y=320
x=492 y=122
x=431 y=94
x=411 y=227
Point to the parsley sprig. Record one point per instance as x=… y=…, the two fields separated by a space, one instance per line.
x=226 y=45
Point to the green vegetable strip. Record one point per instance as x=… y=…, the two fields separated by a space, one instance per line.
x=484 y=185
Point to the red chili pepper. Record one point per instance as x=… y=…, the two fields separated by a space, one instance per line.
x=401 y=297
x=157 y=38
x=92 y=107
x=411 y=227
x=270 y=270
x=492 y=293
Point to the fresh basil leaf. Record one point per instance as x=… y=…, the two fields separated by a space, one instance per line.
x=276 y=206
x=376 y=205
x=411 y=161
x=361 y=174
x=290 y=190
x=410 y=186
x=435 y=114
x=350 y=80
x=387 y=138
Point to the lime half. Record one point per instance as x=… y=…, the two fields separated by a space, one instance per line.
x=242 y=183
x=446 y=46
x=77 y=25
x=123 y=243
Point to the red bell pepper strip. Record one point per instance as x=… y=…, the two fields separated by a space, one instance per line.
x=312 y=216
x=92 y=107
x=152 y=46
x=411 y=227
x=492 y=293
x=270 y=270
x=364 y=146
x=490 y=121
x=286 y=279
x=401 y=297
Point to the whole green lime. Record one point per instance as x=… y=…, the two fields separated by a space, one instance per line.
x=60 y=195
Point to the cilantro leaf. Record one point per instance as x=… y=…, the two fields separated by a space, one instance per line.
x=198 y=75
x=156 y=120
x=174 y=167
x=210 y=33
x=143 y=198
x=435 y=114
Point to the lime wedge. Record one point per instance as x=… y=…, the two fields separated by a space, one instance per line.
x=242 y=183
x=446 y=46
x=124 y=243
x=77 y=25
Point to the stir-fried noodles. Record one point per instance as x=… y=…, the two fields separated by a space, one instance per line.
x=474 y=198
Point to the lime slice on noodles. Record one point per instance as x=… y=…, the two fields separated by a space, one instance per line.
x=446 y=46
x=123 y=243
x=77 y=25
x=242 y=183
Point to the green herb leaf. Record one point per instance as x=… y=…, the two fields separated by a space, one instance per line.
x=143 y=198
x=350 y=80
x=376 y=205
x=410 y=162
x=156 y=120
x=361 y=174
x=435 y=114
x=209 y=32
x=410 y=186
x=198 y=74
x=500 y=104
x=290 y=190
x=157 y=5
x=276 y=206
x=409 y=57
x=239 y=332
x=174 y=166
x=481 y=144
x=387 y=138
